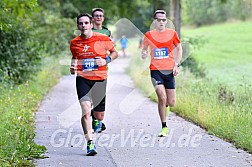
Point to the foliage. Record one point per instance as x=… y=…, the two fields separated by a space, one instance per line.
x=189 y=62
x=72 y=8
x=69 y=10
x=55 y=27
x=18 y=104
x=240 y=9
x=24 y=40
x=50 y=6
x=20 y=54
x=139 y=12
x=202 y=12
x=12 y=9
x=54 y=32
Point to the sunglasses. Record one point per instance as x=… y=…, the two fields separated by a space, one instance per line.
x=98 y=15
x=159 y=20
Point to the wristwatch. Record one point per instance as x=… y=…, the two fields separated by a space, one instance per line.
x=177 y=64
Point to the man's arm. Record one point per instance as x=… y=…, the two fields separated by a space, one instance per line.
x=73 y=67
x=177 y=59
x=145 y=47
x=112 y=56
x=178 y=54
x=144 y=52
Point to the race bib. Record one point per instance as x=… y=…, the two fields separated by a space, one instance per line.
x=89 y=65
x=161 y=53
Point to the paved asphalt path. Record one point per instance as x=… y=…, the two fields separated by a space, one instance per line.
x=130 y=139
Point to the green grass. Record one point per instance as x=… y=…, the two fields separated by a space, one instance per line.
x=227 y=52
x=227 y=116
x=18 y=104
x=221 y=102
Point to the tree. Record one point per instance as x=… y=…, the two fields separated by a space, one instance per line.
x=175 y=14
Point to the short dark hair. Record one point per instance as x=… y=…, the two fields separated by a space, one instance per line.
x=84 y=14
x=158 y=11
x=97 y=9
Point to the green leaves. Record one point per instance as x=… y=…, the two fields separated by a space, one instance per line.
x=13 y=10
x=19 y=55
x=21 y=8
x=202 y=12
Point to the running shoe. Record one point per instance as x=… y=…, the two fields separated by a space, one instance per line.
x=91 y=149
x=164 y=132
x=97 y=125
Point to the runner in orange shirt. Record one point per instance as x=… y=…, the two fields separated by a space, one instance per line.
x=166 y=53
x=89 y=61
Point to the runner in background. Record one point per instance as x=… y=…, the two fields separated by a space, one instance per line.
x=124 y=42
x=98 y=19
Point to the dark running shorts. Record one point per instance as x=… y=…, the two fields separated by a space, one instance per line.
x=163 y=77
x=94 y=90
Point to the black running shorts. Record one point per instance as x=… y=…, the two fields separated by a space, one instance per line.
x=92 y=90
x=163 y=77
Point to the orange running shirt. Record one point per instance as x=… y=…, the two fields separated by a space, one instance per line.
x=162 y=46
x=86 y=50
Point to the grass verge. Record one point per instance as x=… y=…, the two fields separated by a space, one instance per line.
x=18 y=104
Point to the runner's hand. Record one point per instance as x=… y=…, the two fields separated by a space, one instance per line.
x=100 y=61
x=73 y=69
x=175 y=70
x=144 y=54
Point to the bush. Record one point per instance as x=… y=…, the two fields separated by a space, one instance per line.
x=203 y=12
x=188 y=61
x=54 y=32
x=19 y=54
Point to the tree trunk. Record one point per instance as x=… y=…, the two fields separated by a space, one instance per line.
x=175 y=14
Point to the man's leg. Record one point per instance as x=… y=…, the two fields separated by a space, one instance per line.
x=124 y=52
x=86 y=120
x=158 y=83
x=99 y=115
x=161 y=93
x=171 y=97
x=99 y=99
x=170 y=91
x=97 y=123
x=87 y=127
x=83 y=87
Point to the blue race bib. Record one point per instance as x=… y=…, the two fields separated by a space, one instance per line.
x=89 y=64
x=161 y=53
